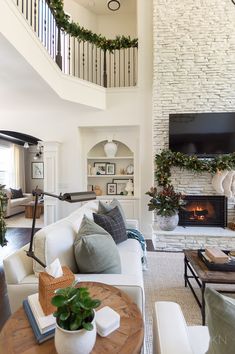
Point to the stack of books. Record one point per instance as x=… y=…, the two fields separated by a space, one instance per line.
x=42 y=326
x=215 y=255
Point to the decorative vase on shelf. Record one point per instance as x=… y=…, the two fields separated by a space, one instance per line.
x=110 y=148
x=129 y=188
x=168 y=223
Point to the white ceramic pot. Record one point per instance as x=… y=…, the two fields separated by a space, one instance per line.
x=110 y=149
x=75 y=342
x=168 y=223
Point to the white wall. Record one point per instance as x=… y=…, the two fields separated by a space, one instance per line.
x=117 y=24
x=29 y=181
x=108 y=25
x=40 y=112
x=80 y=14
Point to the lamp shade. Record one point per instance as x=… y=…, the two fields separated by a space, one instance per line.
x=113 y=5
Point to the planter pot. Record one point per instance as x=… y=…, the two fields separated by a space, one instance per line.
x=110 y=148
x=168 y=223
x=75 y=342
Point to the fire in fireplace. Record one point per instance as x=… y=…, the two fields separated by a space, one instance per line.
x=204 y=210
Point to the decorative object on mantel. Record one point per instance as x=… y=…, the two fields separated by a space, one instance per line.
x=3 y=208
x=217 y=181
x=167 y=159
x=110 y=148
x=75 y=320
x=166 y=203
x=64 y=22
x=129 y=188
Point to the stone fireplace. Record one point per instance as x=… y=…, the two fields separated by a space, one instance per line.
x=204 y=210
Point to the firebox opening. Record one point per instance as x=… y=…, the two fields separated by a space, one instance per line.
x=201 y=210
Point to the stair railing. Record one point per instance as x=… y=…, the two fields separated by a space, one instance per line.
x=77 y=58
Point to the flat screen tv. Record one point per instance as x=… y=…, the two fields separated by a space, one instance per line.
x=202 y=134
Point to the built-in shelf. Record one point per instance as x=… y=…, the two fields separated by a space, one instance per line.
x=111 y=176
x=110 y=158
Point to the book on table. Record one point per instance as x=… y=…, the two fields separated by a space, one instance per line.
x=40 y=337
x=45 y=323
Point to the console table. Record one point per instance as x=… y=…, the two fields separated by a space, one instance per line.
x=17 y=336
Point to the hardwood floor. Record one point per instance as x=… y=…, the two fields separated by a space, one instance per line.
x=18 y=237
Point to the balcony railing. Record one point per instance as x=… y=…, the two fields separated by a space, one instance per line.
x=79 y=58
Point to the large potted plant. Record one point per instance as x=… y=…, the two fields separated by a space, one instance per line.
x=166 y=203
x=75 y=320
x=3 y=208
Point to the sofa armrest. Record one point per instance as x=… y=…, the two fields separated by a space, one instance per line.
x=17 y=266
x=132 y=224
x=170 y=332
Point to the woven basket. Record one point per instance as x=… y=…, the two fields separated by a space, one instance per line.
x=48 y=285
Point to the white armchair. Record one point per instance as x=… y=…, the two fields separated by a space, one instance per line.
x=171 y=335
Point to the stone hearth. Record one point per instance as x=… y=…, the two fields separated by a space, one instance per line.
x=192 y=238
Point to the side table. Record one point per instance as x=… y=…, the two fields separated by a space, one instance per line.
x=17 y=335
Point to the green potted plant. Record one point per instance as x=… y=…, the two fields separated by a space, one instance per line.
x=75 y=320
x=3 y=208
x=166 y=203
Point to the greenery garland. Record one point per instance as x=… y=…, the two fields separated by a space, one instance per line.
x=82 y=34
x=167 y=159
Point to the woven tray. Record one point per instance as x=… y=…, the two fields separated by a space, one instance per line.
x=224 y=267
x=48 y=285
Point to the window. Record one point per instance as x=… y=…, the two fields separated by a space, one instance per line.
x=6 y=165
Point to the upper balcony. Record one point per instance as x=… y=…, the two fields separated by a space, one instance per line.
x=78 y=64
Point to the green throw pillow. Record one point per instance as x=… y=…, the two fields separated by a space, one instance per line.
x=220 y=315
x=104 y=208
x=95 y=250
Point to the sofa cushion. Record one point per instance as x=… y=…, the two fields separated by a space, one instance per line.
x=16 y=193
x=220 y=314
x=95 y=250
x=113 y=223
x=104 y=208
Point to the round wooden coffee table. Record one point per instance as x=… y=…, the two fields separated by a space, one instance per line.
x=17 y=335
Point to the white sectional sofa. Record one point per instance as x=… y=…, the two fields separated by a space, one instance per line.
x=171 y=335
x=14 y=206
x=56 y=240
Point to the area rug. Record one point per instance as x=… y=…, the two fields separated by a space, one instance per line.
x=163 y=281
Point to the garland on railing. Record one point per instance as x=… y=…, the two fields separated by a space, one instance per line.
x=167 y=159
x=83 y=34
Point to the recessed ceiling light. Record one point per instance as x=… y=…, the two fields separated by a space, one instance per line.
x=113 y=5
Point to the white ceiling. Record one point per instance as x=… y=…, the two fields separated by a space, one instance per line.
x=99 y=7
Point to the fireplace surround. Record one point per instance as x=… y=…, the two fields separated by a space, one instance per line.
x=204 y=210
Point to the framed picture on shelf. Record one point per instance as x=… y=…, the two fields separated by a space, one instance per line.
x=37 y=170
x=121 y=185
x=111 y=188
x=110 y=168
x=100 y=168
x=90 y=188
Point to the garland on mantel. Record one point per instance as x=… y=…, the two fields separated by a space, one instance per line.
x=82 y=34
x=167 y=159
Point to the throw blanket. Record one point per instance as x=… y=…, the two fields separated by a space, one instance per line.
x=137 y=235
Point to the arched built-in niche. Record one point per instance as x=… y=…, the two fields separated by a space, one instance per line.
x=103 y=171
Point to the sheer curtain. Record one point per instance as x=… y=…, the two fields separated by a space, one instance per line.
x=19 y=167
